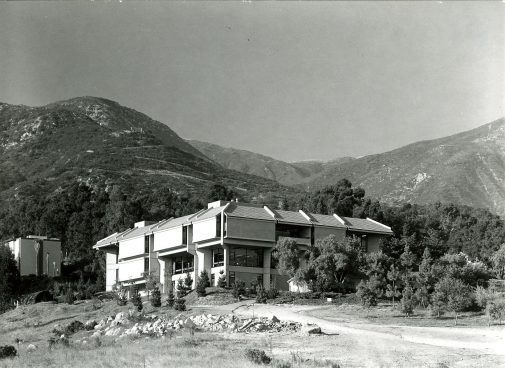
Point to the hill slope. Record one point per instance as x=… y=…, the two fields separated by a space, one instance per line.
x=466 y=168
x=99 y=141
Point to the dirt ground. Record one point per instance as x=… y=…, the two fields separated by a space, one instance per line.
x=349 y=340
x=354 y=343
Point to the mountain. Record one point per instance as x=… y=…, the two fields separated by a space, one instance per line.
x=98 y=141
x=467 y=168
x=267 y=167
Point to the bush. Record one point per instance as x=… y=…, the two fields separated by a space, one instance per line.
x=156 y=297
x=272 y=293
x=8 y=351
x=170 y=299
x=495 y=310
x=180 y=304
x=203 y=282
x=261 y=295
x=257 y=356
x=73 y=327
x=221 y=281
x=369 y=292
x=238 y=288
x=69 y=296
x=121 y=298
x=137 y=300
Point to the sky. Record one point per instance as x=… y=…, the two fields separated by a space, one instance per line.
x=292 y=80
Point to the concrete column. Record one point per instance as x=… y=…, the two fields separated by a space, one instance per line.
x=267 y=253
x=204 y=260
x=166 y=269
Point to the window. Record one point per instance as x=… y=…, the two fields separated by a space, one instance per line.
x=146 y=264
x=183 y=264
x=225 y=225
x=231 y=278
x=217 y=257
x=246 y=257
x=184 y=235
x=364 y=243
x=212 y=279
x=146 y=244
x=218 y=226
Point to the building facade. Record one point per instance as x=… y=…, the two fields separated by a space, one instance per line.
x=227 y=238
x=37 y=255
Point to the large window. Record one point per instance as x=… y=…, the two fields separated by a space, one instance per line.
x=217 y=257
x=246 y=257
x=183 y=264
x=146 y=264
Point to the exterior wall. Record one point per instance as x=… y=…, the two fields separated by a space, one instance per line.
x=131 y=247
x=110 y=267
x=45 y=261
x=132 y=269
x=175 y=278
x=204 y=230
x=168 y=238
x=250 y=229
x=322 y=232
x=203 y=261
x=373 y=242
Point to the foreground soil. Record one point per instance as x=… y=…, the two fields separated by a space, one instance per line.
x=347 y=341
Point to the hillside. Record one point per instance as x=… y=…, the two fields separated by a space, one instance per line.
x=99 y=141
x=467 y=168
x=267 y=167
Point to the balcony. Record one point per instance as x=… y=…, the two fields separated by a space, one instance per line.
x=300 y=241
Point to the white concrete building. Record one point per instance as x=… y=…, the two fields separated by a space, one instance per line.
x=37 y=255
x=233 y=237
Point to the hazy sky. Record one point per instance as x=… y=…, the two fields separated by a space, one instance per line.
x=292 y=80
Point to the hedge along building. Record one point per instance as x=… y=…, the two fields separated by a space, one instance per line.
x=230 y=238
x=37 y=255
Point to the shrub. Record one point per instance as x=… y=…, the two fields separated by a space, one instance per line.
x=69 y=296
x=257 y=356
x=238 y=288
x=8 y=351
x=407 y=302
x=181 y=288
x=156 y=297
x=495 y=310
x=137 y=300
x=221 y=281
x=188 y=282
x=261 y=296
x=180 y=304
x=368 y=292
x=73 y=327
x=272 y=293
x=170 y=299
x=121 y=298
x=203 y=282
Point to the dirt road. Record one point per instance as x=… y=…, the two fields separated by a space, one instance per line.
x=358 y=344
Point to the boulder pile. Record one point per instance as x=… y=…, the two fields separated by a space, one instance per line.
x=123 y=325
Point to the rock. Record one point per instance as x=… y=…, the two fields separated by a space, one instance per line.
x=311 y=329
x=90 y=324
x=31 y=348
x=120 y=316
x=274 y=319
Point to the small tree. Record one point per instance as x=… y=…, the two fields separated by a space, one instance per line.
x=136 y=300
x=495 y=310
x=459 y=298
x=393 y=277
x=170 y=299
x=151 y=283
x=238 y=288
x=203 y=282
x=498 y=260
x=221 y=281
x=369 y=292
x=156 y=297
x=261 y=295
x=69 y=296
x=407 y=302
x=188 y=282
x=181 y=288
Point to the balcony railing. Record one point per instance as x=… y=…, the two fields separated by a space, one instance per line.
x=302 y=241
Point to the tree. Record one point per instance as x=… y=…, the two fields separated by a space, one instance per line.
x=425 y=279
x=188 y=282
x=221 y=281
x=393 y=277
x=156 y=297
x=407 y=302
x=9 y=278
x=451 y=294
x=369 y=292
x=203 y=282
x=151 y=282
x=219 y=192
x=170 y=299
x=287 y=253
x=137 y=300
x=332 y=261
x=498 y=261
